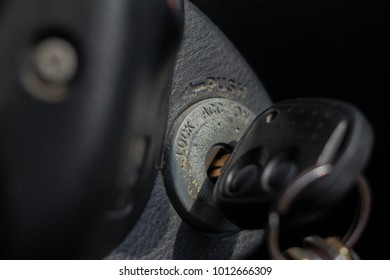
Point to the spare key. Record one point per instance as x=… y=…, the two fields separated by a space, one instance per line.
x=295 y=137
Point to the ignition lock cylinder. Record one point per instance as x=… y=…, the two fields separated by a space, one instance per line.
x=295 y=160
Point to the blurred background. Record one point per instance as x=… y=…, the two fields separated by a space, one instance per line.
x=323 y=48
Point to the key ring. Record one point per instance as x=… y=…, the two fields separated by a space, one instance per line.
x=339 y=248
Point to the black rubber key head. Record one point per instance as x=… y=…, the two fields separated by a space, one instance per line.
x=284 y=143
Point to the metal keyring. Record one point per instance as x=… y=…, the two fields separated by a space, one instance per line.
x=292 y=191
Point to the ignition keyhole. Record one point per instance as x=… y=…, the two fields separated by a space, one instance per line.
x=216 y=158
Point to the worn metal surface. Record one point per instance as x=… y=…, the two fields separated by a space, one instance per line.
x=205 y=124
x=206 y=61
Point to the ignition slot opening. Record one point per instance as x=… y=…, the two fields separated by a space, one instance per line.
x=216 y=158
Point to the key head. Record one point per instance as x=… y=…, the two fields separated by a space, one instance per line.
x=281 y=146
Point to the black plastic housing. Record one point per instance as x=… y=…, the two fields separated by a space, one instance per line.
x=76 y=174
x=282 y=144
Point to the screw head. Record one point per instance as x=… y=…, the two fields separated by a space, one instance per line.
x=55 y=60
x=49 y=69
